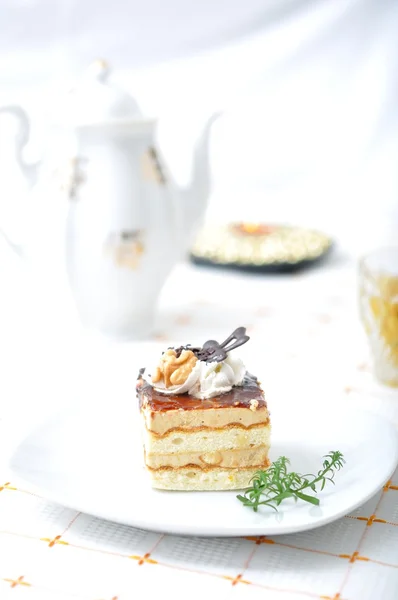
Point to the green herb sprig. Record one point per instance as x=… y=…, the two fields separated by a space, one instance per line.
x=276 y=484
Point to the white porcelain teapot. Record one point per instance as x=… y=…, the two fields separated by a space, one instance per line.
x=122 y=222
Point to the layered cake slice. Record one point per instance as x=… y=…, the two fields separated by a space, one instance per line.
x=205 y=419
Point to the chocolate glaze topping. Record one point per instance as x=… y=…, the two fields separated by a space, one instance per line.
x=238 y=396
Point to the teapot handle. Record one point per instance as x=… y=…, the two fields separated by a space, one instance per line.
x=29 y=171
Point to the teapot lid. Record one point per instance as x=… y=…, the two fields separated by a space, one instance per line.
x=95 y=101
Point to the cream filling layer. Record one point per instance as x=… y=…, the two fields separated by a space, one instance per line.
x=229 y=459
x=160 y=422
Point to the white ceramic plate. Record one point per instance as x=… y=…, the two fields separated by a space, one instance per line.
x=91 y=460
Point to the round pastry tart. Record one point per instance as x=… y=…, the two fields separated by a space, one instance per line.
x=259 y=247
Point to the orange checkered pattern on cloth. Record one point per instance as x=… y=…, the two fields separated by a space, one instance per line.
x=53 y=553
x=57 y=552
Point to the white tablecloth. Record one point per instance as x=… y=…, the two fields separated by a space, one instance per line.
x=308 y=342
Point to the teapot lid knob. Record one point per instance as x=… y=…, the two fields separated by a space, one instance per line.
x=99 y=69
x=96 y=101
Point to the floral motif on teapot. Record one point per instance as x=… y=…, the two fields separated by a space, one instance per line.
x=151 y=167
x=126 y=247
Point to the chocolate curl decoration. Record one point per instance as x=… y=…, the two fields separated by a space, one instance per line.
x=212 y=351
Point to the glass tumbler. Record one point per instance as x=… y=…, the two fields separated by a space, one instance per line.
x=378 y=298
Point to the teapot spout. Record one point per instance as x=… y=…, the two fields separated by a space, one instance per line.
x=198 y=191
x=29 y=171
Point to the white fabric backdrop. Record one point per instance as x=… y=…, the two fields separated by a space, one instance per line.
x=309 y=89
